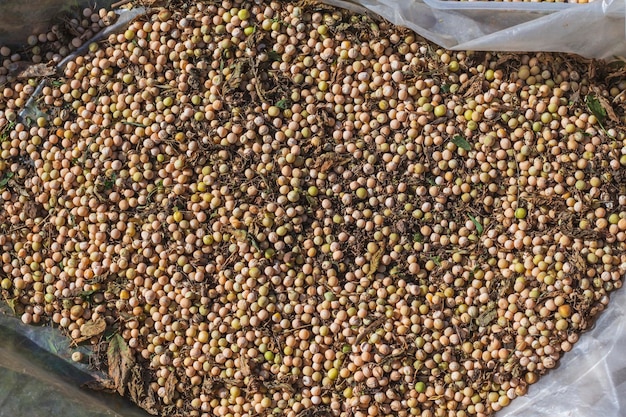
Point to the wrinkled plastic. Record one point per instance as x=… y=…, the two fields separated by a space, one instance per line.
x=31 y=110
x=19 y=19
x=590 y=380
x=593 y=30
x=37 y=377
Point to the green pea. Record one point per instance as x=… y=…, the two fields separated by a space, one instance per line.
x=440 y=110
x=243 y=14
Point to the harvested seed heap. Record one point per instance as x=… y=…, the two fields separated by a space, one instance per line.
x=267 y=209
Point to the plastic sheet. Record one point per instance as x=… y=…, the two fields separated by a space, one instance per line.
x=593 y=30
x=18 y=18
x=31 y=110
x=590 y=380
x=37 y=377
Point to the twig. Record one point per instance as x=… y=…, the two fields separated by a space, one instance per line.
x=369 y=329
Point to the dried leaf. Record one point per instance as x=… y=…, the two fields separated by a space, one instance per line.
x=343 y=27
x=326 y=165
x=283 y=386
x=121 y=361
x=505 y=58
x=106 y=385
x=31 y=209
x=331 y=159
x=140 y=393
x=150 y=404
x=474 y=85
x=37 y=70
x=93 y=327
x=240 y=235
x=135 y=385
x=237 y=74
x=401 y=226
x=516 y=372
x=375 y=262
x=145 y=3
x=208 y=385
x=506 y=286
x=461 y=143
x=170 y=386
x=606 y=105
x=326 y=161
x=487 y=317
x=23 y=69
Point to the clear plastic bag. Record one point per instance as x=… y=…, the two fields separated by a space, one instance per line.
x=19 y=19
x=593 y=30
x=590 y=380
x=34 y=365
x=31 y=109
x=38 y=378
